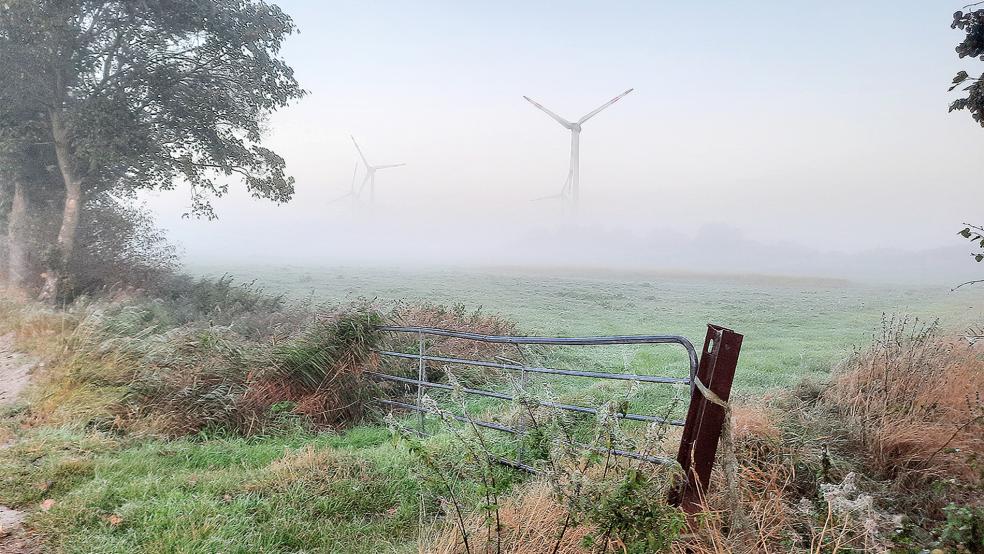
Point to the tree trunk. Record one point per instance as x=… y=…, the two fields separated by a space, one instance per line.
x=6 y=195
x=17 y=266
x=70 y=214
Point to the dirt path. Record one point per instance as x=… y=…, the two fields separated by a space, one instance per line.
x=15 y=369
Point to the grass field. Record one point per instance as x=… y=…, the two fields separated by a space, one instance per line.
x=793 y=327
x=359 y=491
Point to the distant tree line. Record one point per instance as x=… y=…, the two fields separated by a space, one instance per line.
x=100 y=99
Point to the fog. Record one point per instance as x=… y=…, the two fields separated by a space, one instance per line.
x=761 y=137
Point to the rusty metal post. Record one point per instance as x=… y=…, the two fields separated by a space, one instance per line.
x=718 y=361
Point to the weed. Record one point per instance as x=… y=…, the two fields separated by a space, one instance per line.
x=964 y=527
x=611 y=505
x=914 y=401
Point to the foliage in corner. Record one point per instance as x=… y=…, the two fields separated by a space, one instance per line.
x=971 y=23
x=127 y=96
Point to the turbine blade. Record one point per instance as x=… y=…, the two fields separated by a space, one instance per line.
x=603 y=106
x=363 y=185
x=388 y=166
x=354 y=173
x=361 y=155
x=559 y=119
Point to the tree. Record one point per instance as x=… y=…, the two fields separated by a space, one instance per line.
x=19 y=155
x=972 y=24
x=139 y=94
x=31 y=200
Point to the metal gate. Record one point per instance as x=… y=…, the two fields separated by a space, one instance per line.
x=710 y=377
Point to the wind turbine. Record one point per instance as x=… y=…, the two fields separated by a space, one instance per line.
x=573 y=184
x=370 y=177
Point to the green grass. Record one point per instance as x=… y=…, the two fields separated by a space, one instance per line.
x=348 y=493
x=793 y=327
x=356 y=492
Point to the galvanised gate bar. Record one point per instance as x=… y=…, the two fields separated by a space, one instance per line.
x=712 y=372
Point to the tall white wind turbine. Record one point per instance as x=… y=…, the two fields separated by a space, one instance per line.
x=572 y=186
x=370 y=177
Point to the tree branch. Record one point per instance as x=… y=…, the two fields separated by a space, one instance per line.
x=974 y=282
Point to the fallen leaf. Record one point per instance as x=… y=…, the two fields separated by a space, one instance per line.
x=114 y=519
x=47 y=504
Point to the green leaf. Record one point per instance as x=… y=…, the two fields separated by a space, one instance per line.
x=961 y=77
x=965 y=233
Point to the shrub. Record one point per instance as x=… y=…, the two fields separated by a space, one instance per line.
x=320 y=371
x=191 y=379
x=135 y=365
x=964 y=527
x=214 y=377
x=120 y=247
x=914 y=400
x=244 y=307
x=904 y=411
x=456 y=318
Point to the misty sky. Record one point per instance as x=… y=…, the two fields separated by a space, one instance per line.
x=821 y=124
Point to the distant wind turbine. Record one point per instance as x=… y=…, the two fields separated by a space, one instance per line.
x=573 y=184
x=351 y=193
x=370 y=177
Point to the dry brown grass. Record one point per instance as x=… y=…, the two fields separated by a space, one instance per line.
x=34 y=326
x=336 y=402
x=456 y=318
x=751 y=422
x=774 y=513
x=531 y=519
x=764 y=485
x=914 y=399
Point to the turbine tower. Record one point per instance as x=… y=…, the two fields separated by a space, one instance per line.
x=573 y=184
x=370 y=177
